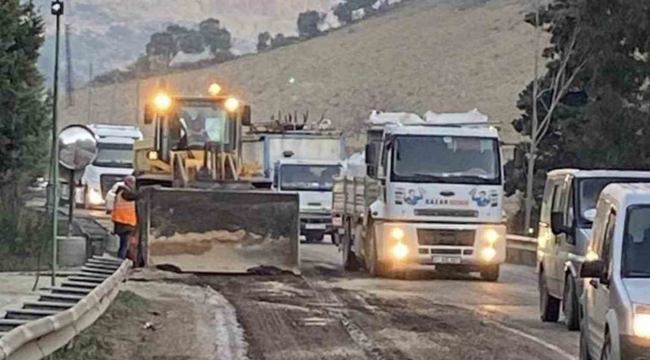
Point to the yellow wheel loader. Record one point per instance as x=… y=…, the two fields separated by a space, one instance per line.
x=201 y=208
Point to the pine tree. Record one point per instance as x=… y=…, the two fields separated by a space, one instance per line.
x=600 y=121
x=23 y=107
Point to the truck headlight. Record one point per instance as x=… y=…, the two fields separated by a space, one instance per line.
x=397 y=234
x=642 y=321
x=491 y=236
x=488 y=254
x=95 y=196
x=400 y=251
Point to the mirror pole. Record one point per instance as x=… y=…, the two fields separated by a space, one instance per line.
x=55 y=152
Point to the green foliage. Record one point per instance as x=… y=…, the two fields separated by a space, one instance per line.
x=263 y=41
x=214 y=36
x=162 y=47
x=601 y=120
x=309 y=22
x=343 y=12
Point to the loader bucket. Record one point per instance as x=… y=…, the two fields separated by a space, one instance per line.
x=215 y=231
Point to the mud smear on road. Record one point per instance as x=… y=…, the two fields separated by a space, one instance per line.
x=293 y=318
x=161 y=321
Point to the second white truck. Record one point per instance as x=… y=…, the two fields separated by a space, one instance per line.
x=432 y=197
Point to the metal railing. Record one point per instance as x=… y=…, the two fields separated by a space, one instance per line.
x=61 y=313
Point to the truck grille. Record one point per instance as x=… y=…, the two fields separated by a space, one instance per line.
x=446 y=212
x=316 y=220
x=107 y=182
x=434 y=237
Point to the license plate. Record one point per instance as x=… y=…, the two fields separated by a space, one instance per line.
x=315 y=226
x=446 y=260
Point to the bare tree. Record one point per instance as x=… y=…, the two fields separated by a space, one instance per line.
x=559 y=86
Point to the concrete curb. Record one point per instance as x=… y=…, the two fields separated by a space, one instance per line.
x=41 y=337
x=521 y=250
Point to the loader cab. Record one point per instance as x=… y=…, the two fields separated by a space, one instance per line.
x=191 y=130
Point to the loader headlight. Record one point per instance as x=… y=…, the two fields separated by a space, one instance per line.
x=397 y=234
x=488 y=254
x=152 y=155
x=400 y=251
x=94 y=196
x=232 y=104
x=491 y=236
x=642 y=321
x=162 y=102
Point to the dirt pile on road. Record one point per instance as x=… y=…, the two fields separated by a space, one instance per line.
x=442 y=55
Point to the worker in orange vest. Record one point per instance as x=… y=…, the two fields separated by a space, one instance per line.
x=124 y=216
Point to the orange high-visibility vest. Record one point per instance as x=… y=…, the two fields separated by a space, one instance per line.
x=124 y=211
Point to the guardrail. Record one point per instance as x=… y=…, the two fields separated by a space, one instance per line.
x=42 y=327
x=521 y=250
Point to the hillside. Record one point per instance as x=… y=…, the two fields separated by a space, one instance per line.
x=441 y=55
x=112 y=33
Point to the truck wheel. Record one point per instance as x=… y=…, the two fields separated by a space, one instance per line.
x=490 y=273
x=86 y=204
x=570 y=304
x=549 y=306
x=374 y=267
x=350 y=260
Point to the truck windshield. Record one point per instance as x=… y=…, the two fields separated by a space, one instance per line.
x=446 y=159
x=636 y=243
x=201 y=123
x=308 y=177
x=591 y=188
x=114 y=155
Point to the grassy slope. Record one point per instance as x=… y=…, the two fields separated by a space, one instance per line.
x=442 y=55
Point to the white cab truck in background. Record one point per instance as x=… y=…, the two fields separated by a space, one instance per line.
x=302 y=161
x=114 y=161
x=313 y=180
x=431 y=197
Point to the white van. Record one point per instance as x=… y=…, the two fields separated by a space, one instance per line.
x=114 y=161
x=616 y=298
x=568 y=209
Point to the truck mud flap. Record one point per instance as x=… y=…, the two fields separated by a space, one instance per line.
x=213 y=231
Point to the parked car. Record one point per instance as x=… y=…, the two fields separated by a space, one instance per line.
x=616 y=299
x=110 y=196
x=568 y=208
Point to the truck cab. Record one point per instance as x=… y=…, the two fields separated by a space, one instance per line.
x=313 y=180
x=439 y=196
x=114 y=161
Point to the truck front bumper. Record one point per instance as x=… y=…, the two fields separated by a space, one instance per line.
x=430 y=245
x=318 y=223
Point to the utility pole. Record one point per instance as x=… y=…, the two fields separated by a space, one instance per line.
x=69 y=85
x=57 y=10
x=532 y=154
x=90 y=94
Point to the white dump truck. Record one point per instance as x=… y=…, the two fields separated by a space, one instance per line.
x=313 y=180
x=114 y=161
x=431 y=197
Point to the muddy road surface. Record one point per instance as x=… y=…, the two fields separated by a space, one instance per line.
x=328 y=313
x=331 y=314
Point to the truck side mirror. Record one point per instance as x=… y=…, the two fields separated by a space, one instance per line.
x=371 y=171
x=557 y=224
x=148 y=115
x=371 y=154
x=592 y=269
x=246 y=116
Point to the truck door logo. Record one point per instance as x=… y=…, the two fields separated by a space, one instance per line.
x=413 y=196
x=480 y=197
